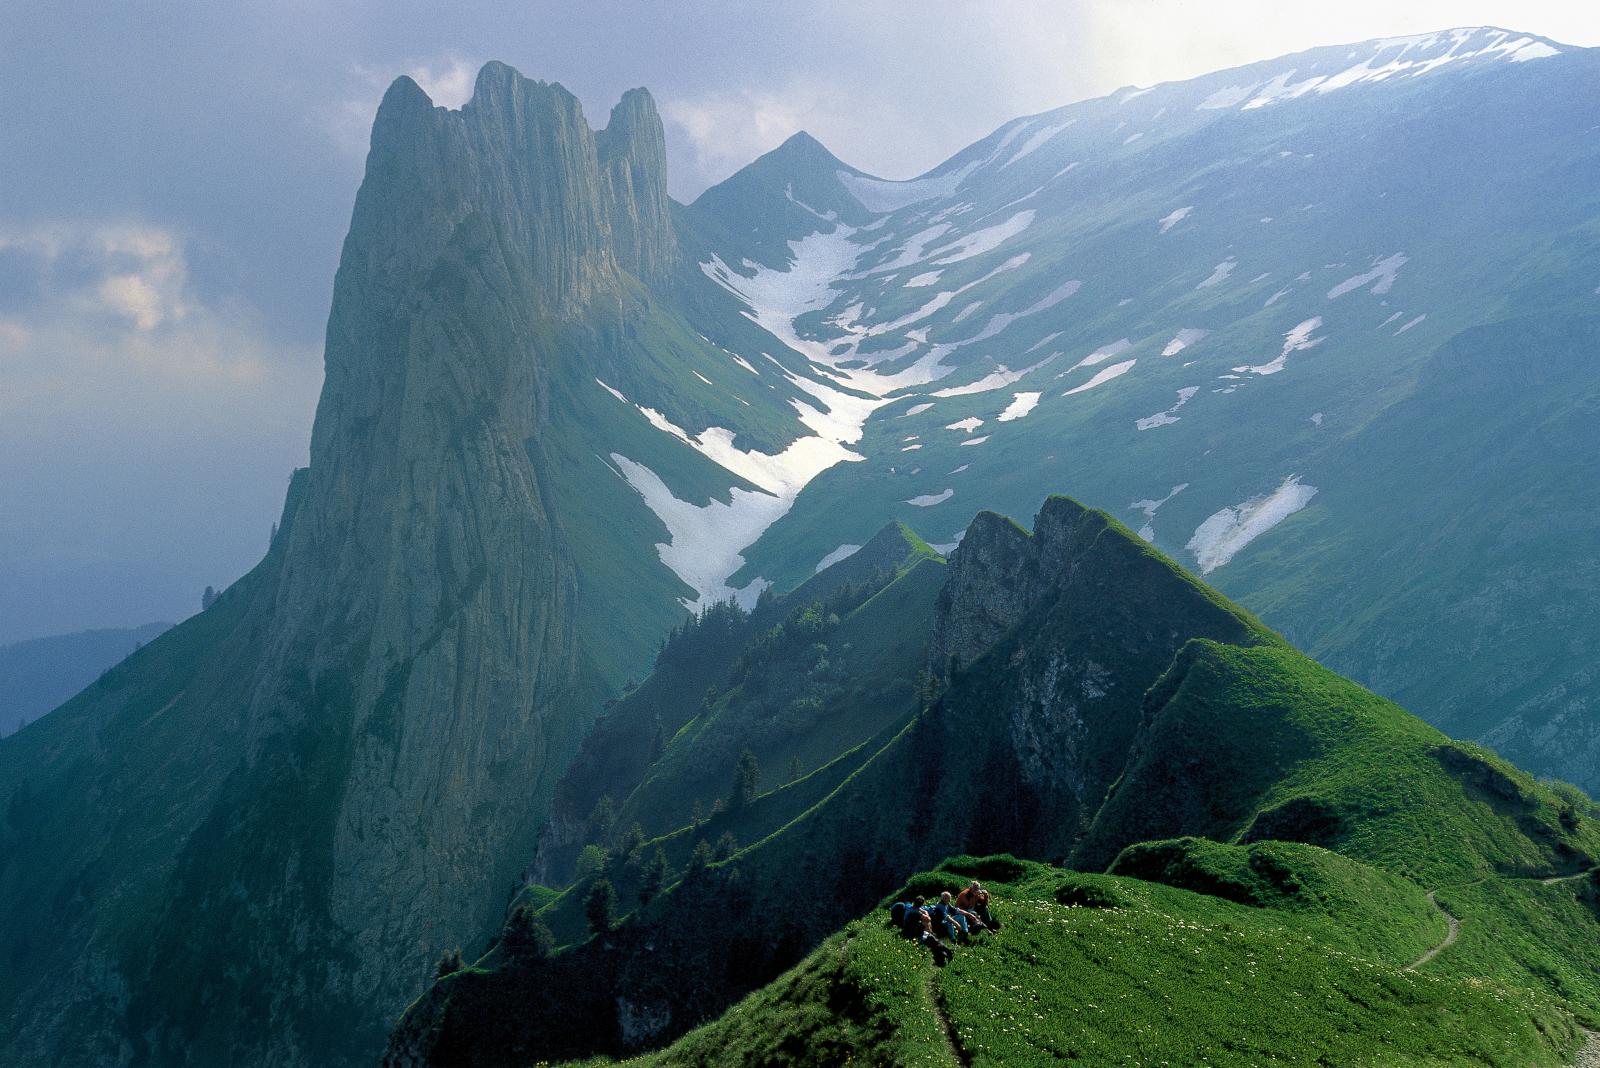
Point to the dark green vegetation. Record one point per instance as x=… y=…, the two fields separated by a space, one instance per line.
x=1269 y=834
x=38 y=675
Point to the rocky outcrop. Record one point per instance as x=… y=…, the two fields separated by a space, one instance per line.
x=384 y=705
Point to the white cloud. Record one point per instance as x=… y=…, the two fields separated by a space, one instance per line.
x=142 y=429
x=447 y=80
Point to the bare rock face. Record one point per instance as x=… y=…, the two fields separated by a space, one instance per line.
x=1058 y=634
x=387 y=700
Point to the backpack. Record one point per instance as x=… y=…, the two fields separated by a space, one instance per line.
x=898 y=912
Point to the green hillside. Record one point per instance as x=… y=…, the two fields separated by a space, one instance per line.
x=1272 y=834
x=1099 y=969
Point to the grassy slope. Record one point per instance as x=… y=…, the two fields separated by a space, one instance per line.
x=1229 y=741
x=1110 y=970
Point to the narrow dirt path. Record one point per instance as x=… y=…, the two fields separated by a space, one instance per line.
x=1450 y=936
x=1566 y=878
x=1589 y=1055
x=952 y=1043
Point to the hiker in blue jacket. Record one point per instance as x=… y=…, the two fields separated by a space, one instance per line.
x=916 y=923
x=957 y=923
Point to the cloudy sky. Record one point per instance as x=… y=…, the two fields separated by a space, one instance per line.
x=176 y=177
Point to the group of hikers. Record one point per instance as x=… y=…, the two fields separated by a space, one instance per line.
x=958 y=918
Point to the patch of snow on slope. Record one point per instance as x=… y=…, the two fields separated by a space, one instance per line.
x=968 y=310
x=1002 y=320
x=1219 y=538
x=967 y=425
x=999 y=378
x=1410 y=324
x=927 y=278
x=1021 y=404
x=1227 y=97
x=825 y=216
x=1174 y=217
x=1383 y=273
x=1295 y=340
x=976 y=441
x=1037 y=141
x=878 y=195
x=704 y=540
x=912 y=250
x=1116 y=370
x=960 y=469
x=917 y=409
x=841 y=553
x=928 y=500
x=1149 y=508
x=1183 y=339
x=1218 y=273
x=1166 y=418
x=615 y=393
x=980 y=241
x=1103 y=353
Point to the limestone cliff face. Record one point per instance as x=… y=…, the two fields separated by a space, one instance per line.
x=399 y=683
x=1058 y=634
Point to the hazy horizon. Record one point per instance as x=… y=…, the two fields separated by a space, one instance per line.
x=179 y=183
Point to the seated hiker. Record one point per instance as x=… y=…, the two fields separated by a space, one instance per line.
x=956 y=922
x=975 y=900
x=917 y=925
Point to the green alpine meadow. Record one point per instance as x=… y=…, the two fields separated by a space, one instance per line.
x=1127 y=595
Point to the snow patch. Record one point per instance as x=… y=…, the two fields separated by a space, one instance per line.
x=976 y=441
x=1183 y=339
x=1037 y=141
x=925 y=279
x=841 y=553
x=1218 y=273
x=967 y=425
x=1173 y=218
x=1021 y=404
x=980 y=241
x=1410 y=324
x=1103 y=353
x=704 y=540
x=1116 y=370
x=1149 y=508
x=999 y=378
x=1219 y=538
x=1166 y=418
x=928 y=500
x=1295 y=340
x=1383 y=275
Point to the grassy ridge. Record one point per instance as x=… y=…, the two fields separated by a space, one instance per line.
x=1110 y=970
x=1271 y=831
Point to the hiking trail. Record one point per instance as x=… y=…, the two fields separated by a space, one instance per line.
x=1450 y=936
x=1589 y=1055
x=947 y=1030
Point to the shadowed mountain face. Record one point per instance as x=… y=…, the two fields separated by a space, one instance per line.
x=247 y=843
x=1302 y=322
